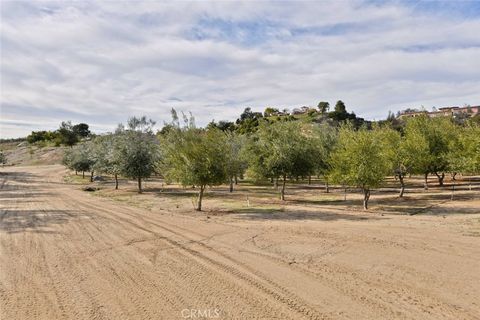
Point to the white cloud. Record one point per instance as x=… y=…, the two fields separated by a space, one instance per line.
x=102 y=62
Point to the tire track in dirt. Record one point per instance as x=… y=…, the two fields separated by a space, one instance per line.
x=233 y=288
x=362 y=292
x=285 y=297
x=79 y=256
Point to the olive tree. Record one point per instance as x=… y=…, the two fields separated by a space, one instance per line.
x=108 y=155
x=235 y=164
x=427 y=145
x=360 y=159
x=79 y=158
x=324 y=140
x=397 y=155
x=282 y=150
x=138 y=150
x=465 y=150
x=194 y=156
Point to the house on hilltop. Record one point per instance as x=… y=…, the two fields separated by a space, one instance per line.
x=470 y=111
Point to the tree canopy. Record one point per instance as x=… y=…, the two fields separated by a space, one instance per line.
x=282 y=150
x=193 y=156
x=428 y=143
x=360 y=159
x=138 y=149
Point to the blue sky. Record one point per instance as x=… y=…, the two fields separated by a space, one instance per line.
x=101 y=62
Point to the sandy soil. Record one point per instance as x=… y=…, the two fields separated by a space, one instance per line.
x=22 y=153
x=65 y=254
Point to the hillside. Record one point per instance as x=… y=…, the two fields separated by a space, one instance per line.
x=22 y=153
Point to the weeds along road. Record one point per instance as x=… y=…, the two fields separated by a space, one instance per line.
x=65 y=254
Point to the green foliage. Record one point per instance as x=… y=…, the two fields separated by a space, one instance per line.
x=137 y=150
x=81 y=130
x=464 y=153
x=324 y=138
x=226 y=126
x=235 y=164
x=141 y=124
x=248 y=121
x=361 y=159
x=269 y=112
x=66 y=135
x=340 y=107
x=41 y=136
x=312 y=113
x=282 y=149
x=79 y=158
x=340 y=115
x=108 y=156
x=323 y=106
x=276 y=147
x=428 y=144
x=194 y=157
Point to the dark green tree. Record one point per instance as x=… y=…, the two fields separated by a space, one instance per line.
x=323 y=106
x=81 y=130
x=66 y=134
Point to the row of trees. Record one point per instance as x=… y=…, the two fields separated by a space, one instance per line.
x=282 y=151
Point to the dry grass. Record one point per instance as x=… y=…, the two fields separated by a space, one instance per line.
x=263 y=198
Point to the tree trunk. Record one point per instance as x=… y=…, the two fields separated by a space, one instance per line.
x=139 y=185
x=276 y=183
x=231 y=184
x=309 y=180
x=76 y=172
x=440 y=178
x=366 y=197
x=327 y=187
x=91 y=176
x=402 y=185
x=200 y=197
x=453 y=190
x=344 y=193
x=282 y=192
x=83 y=174
x=236 y=180
x=425 y=184
x=454 y=175
x=116 y=181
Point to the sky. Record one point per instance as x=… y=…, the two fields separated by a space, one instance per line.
x=101 y=62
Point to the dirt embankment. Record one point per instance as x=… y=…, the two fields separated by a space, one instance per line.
x=22 y=153
x=65 y=254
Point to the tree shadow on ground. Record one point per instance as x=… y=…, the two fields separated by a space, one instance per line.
x=291 y=215
x=434 y=211
x=11 y=194
x=37 y=221
x=181 y=193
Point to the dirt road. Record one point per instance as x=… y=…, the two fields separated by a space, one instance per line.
x=65 y=254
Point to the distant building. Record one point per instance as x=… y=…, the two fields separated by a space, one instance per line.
x=441 y=112
x=302 y=110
